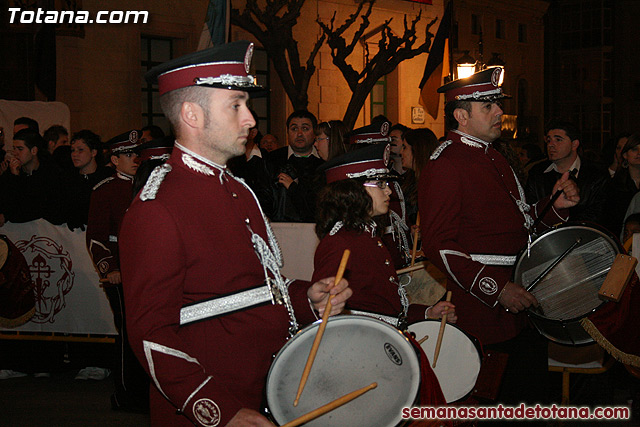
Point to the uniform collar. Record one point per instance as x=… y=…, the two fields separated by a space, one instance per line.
x=198 y=163
x=124 y=176
x=471 y=140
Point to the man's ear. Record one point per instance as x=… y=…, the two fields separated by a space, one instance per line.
x=461 y=115
x=34 y=150
x=575 y=144
x=191 y=114
x=114 y=159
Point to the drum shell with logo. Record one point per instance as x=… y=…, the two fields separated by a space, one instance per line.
x=459 y=360
x=355 y=351
x=569 y=291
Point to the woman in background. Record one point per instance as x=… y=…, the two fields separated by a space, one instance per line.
x=623 y=186
x=417 y=147
x=330 y=139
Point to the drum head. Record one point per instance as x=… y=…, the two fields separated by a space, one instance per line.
x=570 y=290
x=459 y=360
x=354 y=352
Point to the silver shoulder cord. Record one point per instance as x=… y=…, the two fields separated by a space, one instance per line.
x=524 y=209
x=270 y=256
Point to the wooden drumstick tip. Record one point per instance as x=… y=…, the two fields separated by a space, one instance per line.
x=423 y=339
x=330 y=406
x=443 y=323
x=320 y=332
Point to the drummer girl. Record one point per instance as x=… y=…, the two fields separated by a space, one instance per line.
x=356 y=193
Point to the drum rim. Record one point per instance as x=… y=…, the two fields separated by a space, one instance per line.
x=342 y=318
x=577 y=224
x=475 y=341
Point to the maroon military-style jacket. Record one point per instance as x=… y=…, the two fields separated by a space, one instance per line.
x=469 y=201
x=109 y=201
x=190 y=241
x=370 y=272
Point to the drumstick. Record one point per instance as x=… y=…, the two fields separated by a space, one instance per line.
x=441 y=333
x=330 y=406
x=410 y=269
x=423 y=339
x=415 y=241
x=553 y=264
x=323 y=325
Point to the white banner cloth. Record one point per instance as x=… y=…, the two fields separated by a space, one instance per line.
x=69 y=298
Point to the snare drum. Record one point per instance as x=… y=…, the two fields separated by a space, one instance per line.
x=569 y=291
x=17 y=298
x=355 y=351
x=459 y=359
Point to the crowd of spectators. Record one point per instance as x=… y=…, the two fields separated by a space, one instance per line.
x=51 y=176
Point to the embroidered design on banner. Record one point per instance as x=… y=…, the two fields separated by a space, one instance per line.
x=206 y=412
x=51 y=270
x=488 y=285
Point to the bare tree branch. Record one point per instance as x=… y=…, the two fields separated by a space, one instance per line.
x=392 y=50
x=273 y=27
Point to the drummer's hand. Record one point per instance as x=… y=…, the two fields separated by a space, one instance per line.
x=515 y=298
x=249 y=417
x=442 y=307
x=570 y=193
x=319 y=293
x=114 y=277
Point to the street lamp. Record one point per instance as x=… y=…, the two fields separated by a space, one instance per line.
x=465 y=66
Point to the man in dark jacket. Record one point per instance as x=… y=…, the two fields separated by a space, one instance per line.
x=563 y=142
x=294 y=170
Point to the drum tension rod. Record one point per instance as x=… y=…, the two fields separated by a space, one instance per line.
x=553 y=264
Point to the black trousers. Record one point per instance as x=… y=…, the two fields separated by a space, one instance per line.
x=131 y=380
x=525 y=378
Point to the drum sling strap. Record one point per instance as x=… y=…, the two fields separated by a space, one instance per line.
x=226 y=304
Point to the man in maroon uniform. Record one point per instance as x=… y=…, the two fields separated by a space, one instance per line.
x=474 y=219
x=109 y=201
x=206 y=304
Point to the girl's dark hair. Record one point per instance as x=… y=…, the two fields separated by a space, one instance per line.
x=346 y=200
x=423 y=142
x=335 y=131
x=632 y=142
